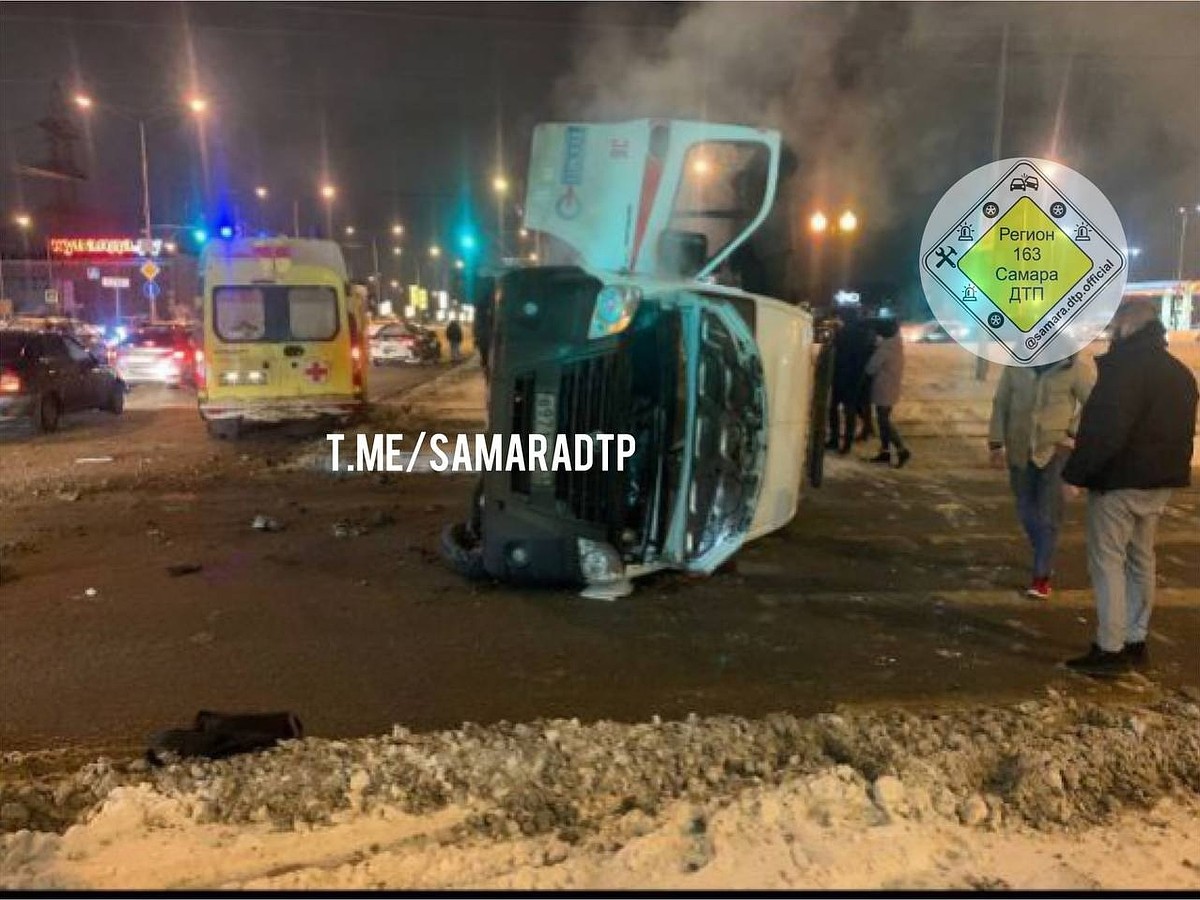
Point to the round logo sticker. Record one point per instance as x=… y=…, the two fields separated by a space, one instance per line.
x=1024 y=262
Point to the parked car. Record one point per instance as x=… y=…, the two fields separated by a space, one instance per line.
x=403 y=342
x=90 y=336
x=44 y=374
x=934 y=332
x=158 y=354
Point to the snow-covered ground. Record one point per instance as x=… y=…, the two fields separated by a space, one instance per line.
x=1052 y=793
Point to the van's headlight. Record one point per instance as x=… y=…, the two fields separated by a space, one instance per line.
x=229 y=378
x=599 y=563
x=614 y=310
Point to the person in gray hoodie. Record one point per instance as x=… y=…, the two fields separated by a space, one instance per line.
x=886 y=370
x=1035 y=416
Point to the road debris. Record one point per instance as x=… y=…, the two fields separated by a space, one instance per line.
x=178 y=570
x=91 y=460
x=266 y=523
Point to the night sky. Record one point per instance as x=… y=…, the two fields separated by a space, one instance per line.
x=409 y=108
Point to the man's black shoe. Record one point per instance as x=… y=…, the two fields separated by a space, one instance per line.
x=1100 y=662
x=1137 y=654
x=882 y=457
x=831 y=444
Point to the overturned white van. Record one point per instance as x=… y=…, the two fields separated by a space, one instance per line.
x=631 y=333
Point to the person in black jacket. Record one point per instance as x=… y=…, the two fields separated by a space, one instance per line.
x=852 y=349
x=1134 y=445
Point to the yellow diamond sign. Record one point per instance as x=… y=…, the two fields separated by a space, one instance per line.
x=149 y=270
x=1024 y=263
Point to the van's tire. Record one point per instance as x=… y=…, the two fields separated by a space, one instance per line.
x=47 y=412
x=224 y=429
x=115 y=403
x=818 y=423
x=462 y=552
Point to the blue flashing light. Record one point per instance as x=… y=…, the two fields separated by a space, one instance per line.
x=467 y=241
x=226 y=231
x=200 y=235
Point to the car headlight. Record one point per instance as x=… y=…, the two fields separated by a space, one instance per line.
x=614 y=310
x=599 y=563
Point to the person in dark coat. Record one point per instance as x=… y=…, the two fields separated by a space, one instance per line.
x=852 y=348
x=454 y=337
x=1134 y=446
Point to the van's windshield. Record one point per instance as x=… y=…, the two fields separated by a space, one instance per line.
x=273 y=313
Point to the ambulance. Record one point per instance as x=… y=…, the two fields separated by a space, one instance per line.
x=632 y=324
x=283 y=334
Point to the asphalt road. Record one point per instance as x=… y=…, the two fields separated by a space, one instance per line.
x=891 y=587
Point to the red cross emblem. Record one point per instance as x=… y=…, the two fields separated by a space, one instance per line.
x=316 y=371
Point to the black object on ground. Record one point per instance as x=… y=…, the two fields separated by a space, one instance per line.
x=216 y=735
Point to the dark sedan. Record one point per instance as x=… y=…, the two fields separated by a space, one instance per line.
x=44 y=374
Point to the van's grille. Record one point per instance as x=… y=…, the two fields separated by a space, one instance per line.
x=587 y=403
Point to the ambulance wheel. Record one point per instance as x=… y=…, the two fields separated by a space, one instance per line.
x=819 y=415
x=224 y=429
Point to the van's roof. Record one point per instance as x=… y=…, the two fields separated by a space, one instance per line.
x=274 y=254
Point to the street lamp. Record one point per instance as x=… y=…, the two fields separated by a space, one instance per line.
x=848 y=221
x=818 y=223
x=349 y=231
x=500 y=186
x=261 y=193
x=328 y=193
x=397 y=230
x=435 y=251
x=22 y=221
x=197 y=104
x=458 y=264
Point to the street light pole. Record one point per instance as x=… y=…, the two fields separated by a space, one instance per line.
x=1183 y=222
x=145 y=180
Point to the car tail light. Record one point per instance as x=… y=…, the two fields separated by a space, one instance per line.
x=10 y=382
x=178 y=354
x=200 y=373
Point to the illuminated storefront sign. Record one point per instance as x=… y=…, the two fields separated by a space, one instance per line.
x=104 y=247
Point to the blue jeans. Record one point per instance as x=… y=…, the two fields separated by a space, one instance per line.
x=1040 y=509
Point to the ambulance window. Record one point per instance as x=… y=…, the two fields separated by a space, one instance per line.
x=313 y=313
x=239 y=313
x=721 y=191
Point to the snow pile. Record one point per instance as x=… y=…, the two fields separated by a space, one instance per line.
x=702 y=798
